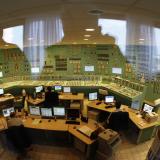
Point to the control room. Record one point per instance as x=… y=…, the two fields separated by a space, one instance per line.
x=80 y=80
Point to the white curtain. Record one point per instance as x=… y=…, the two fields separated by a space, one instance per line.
x=140 y=48
x=40 y=32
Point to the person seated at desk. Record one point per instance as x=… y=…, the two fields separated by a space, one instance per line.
x=118 y=120
x=51 y=98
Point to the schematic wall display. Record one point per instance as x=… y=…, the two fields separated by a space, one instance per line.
x=35 y=70
x=117 y=70
x=89 y=68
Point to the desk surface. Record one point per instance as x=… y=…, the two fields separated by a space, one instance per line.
x=35 y=101
x=60 y=125
x=136 y=119
x=79 y=96
x=6 y=97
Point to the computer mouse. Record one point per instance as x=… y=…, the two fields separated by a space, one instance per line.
x=49 y=120
x=40 y=121
x=74 y=127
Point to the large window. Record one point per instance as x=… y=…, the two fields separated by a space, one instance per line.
x=115 y=28
x=14 y=35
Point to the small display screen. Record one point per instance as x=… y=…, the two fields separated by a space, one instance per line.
x=109 y=99
x=38 y=89
x=147 y=108
x=46 y=112
x=135 y=105
x=58 y=88
x=35 y=70
x=117 y=70
x=93 y=96
x=59 y=111
x=1 y=91
x=89 y=68
x=6 y=112
x=34 y=110
x=66 y=89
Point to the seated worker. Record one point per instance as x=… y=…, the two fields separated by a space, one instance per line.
x=17 y=135
x=118 y=120
x=51 y=98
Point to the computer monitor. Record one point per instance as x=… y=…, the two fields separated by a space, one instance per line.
x=34 y=110
x=93 y=96
x=7 y=111
x=73 y=114
x=38 y=89
x=117 y=70
x=147 y=108
x=89 y=68
x=1 y=91
x=135 y=105
x=59 y=111
x=66 y=89
x=46 y=112
x=109 y=99
x=57 y=88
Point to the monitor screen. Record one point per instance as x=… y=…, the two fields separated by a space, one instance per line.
x=89 y=68
x=59 y=111
x=35 y=70
x=117 y=70
x=135 y=105
x=93 y=96
x=6 y=112
x=109 y=99
x=38 y=89
x=147 y=108
x=46 y=112
x=34 y=110
x=1 y=91
x=58 y=88
x=73 y=113
x=66 y=89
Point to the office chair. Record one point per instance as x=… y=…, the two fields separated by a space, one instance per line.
x=118 y=121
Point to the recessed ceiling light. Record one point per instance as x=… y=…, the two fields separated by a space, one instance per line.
x=74 y=43
x=90 y=29
x=94 y=43
x=141 y=39
x=30 y=38
x=87 y=35
x=85 y=39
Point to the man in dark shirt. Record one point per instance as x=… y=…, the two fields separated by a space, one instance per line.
x=51 y=98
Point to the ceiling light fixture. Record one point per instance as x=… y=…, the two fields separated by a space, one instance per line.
x=141 y=39
x=87 y=35
x=90 y=29
x=86 y=39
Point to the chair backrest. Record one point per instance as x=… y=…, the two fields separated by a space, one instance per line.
x=119 y=121
x=51 y=98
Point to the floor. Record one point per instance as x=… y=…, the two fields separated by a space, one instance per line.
x=126 y=151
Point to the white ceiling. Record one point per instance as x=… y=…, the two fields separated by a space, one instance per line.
x=74 y=13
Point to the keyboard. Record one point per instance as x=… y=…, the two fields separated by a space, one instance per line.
x=72 y=122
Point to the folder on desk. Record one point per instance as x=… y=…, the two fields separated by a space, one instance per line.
x=85 y=130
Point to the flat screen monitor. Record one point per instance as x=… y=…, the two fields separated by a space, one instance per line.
x=89 y=68
x=66 y=89
x=117 y=70
x=93 y=96
x=34 y=110
x=57 y=88
x=73 y=113
x=135 y=105
x=147 y=108
x=46 y=112
x=1 y=91
x=6 y=112
x=59 y=111
x=109 y=99
x=38 y=89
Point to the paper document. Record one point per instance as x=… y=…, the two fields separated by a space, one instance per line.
x=36 y=121
x=85 y=130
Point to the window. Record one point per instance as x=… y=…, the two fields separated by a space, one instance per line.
x=115 y=28
x=14 y=35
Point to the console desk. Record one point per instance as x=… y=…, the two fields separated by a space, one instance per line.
x=143 y=128
x=6 y=100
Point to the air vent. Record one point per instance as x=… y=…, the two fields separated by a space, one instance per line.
x=96 y=12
